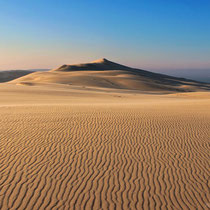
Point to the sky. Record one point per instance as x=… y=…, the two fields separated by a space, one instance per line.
x=148 y=34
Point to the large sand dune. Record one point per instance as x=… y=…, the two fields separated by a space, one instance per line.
x=66 y=147
x=106 y=74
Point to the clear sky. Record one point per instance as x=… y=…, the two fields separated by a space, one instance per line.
x=149 y=34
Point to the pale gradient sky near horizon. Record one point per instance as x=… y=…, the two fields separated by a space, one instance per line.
x=148 y=34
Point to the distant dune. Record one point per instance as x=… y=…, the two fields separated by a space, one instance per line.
x=6 y=76
x=106 y=74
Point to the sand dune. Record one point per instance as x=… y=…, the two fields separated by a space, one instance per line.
x=6 y=76
x=66 y=147
x=106 y=74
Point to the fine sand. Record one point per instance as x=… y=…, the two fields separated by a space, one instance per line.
x=74 y=147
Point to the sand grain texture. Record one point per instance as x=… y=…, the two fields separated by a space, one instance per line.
x=70 y=148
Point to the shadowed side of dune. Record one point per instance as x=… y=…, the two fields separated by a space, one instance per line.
x=6 y=76
x=107 y=74
x=101 y=64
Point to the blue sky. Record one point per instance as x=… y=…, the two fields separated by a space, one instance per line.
x=149 y=34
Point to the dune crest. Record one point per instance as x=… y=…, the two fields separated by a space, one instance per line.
x=97 y=65
x=103 y=73
x=102 y=60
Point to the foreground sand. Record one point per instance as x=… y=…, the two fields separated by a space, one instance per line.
x=69 y=148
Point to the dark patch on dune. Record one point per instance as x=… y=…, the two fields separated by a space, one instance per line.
x=6 y=76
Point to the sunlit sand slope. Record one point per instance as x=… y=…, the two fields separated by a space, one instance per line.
x=132 y=155
x=107 y=74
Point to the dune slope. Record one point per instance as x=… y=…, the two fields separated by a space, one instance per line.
x=106 y=74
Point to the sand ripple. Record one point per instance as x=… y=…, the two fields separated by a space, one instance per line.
x=104 y=157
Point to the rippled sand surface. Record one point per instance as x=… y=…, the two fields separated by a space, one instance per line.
x=84 y=149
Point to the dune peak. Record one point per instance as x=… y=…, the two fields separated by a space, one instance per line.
x=102 y=60
x=103 y=73
x=97 y=65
